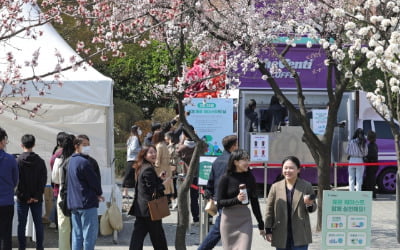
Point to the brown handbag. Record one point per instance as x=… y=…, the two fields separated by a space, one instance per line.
x=158 y=207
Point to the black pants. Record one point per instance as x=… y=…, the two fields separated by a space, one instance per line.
x=370 y=179
x=6 y=220
x=144 y=225
x=129 y=177
x=194 y=201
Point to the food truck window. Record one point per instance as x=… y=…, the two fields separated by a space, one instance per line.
x=382 y=130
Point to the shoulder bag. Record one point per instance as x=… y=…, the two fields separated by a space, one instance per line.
x=158 y=207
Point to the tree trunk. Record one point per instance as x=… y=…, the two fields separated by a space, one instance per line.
x=396 y=143
x=183 y=201
x=183 y=215
x=323 y=182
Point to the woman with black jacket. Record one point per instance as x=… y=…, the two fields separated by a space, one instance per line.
x=147 y=183
x=236 y=223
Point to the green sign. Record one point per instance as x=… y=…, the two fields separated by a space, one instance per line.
x=205 y=169
x=212 y=120
x=346 y=220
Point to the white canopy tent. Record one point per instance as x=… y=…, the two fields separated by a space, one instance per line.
x=82 y=105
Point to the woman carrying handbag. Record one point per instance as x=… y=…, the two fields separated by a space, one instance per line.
x=147 y=183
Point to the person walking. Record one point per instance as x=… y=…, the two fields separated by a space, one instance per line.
x=237 y=188
x=372 y=157
x=60 y=168
x=162 y=162
x=147 y=183
x=30 y=190
x=9 y=175
x=133 y=148
x=173 y=163
x=289 y=203
x=83 y=195
x=357 y=149
x=218 y=169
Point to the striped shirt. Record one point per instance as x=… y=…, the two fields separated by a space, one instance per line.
x=354 y=150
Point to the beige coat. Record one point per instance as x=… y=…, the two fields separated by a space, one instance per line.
x=162 y=164
x=276 y=216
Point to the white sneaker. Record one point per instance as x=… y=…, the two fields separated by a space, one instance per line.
x=174 y=204
x=52 y=225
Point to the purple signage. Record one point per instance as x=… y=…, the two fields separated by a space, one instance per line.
x=308 y=62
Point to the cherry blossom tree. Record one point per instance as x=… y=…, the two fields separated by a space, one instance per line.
x=252 y=28
x=350 y=33
x=373 y=32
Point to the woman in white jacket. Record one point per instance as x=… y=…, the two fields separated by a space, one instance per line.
x=133 y=148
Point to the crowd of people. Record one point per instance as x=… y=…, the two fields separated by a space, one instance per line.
x=161 y=161
x=158 y=166
x=76 y=191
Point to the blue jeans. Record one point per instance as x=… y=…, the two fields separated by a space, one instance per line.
x=85 y=227
x=36 y=210
x=53 y=212
x=213 y=236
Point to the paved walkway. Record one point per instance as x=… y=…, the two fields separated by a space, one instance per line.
x=383 y=231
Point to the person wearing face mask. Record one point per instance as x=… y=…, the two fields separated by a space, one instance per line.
x=133 y=148
x=84 y=193
x=86 y=149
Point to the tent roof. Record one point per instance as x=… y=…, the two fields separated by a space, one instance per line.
x=80 y=85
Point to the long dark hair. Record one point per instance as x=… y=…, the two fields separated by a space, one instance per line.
x=141 y=160
x=134 y=132
x=158 y=137
x=359 y=134
x=236 y=155
x=68 y=146
x=59 y=141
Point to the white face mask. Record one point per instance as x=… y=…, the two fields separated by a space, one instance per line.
x=139 y=132
x=85 y=150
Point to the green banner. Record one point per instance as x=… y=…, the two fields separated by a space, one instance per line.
x=346 y=220
x=205 y=169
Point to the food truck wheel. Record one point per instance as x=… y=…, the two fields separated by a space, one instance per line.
x=387 y=181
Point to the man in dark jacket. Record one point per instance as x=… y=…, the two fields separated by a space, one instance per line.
x=32 y=181
x=8 y=181
x=218 y=169
x=84 y=193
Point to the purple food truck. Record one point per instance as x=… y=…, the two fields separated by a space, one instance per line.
x=354 y=112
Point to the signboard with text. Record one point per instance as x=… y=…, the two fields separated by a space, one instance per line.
x=307 y=62
x=205 y=169
x=212 y=120
x=319 y=120
x=258 y=147
x=346 y=220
